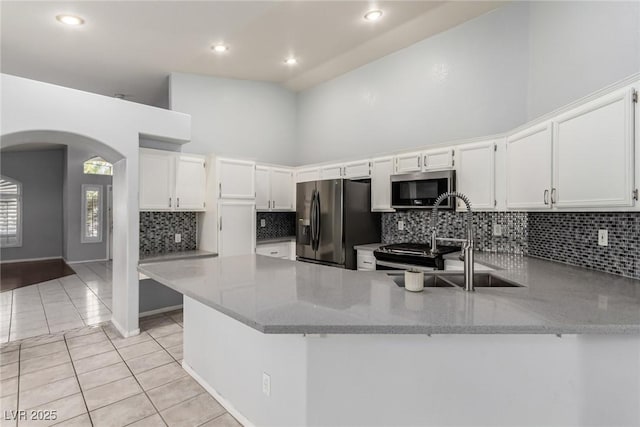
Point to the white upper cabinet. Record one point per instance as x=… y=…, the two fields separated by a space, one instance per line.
x=282 y=189
x=408 y=162
x=274 y=189
x=593 y=154
x=528 y=167
x=475 y=174
x=157 y=171
x=357 y=170
x=171 y=181
x=331 y=172
x=190 y=182
x=381 y=171
x=441 y=159
x=236 y=179
x=305 y=175
x=263 y=188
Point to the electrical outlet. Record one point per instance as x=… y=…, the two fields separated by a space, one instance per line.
x=178 y=238
x=263 y=223
x=400 y=225
x=266 y=384
x=603 y=238
x=497 y=230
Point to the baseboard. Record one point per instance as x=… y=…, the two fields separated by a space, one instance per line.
x=9 y=261
x=160 y=310
x=224 y=402
x=87 y=260
x=123 y=331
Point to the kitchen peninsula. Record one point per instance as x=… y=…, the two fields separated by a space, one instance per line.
x=291 y=343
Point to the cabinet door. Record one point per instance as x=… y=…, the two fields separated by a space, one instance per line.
x=306 y=175
x=475 y=174
x=529 y=168
x=156 y=181
x=381 y=171
x=282 y=189
x=190 y=183
x=236 y=179
x=357 y=170
x=331 y=172
x=593 y=154
x=263 y=188
x=409 y=162
x=434 y=160
x=237 y=226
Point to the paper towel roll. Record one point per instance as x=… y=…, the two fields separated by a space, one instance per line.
x=414 y=281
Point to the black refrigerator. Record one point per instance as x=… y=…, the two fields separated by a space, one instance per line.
x=332 y=216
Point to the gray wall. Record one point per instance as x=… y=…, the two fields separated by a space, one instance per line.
x=74 y=249
x=231 y=117
x=577 y=48
x=40 y=173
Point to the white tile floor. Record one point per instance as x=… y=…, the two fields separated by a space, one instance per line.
x=57 y=305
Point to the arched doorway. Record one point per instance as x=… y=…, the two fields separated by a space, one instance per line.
x=125 y=219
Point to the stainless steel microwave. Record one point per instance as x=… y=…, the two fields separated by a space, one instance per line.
x=421 y=189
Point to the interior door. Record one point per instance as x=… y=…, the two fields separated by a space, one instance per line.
x=331 y=247
x=305 y=192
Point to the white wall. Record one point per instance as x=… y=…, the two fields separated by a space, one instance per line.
x=466 y=82
x=577 y=48
x=33 y=111
x=249 y=119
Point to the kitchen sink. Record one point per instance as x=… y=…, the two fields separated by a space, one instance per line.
x=430 y=281
x=481 y=280
x=443 y=279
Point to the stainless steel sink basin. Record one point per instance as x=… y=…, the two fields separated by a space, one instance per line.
x=481 y=280
x=445 y=279
x=430 y=281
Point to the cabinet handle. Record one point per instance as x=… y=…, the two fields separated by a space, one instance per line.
x=220 y=223
x=425 y=161
x=219 y=190
x=419 y=161
x=274 y=253
x=273 y=204
x=546 y=197
x=169 y=201
x=178 y=204
x=553 y=195
x=367 y=262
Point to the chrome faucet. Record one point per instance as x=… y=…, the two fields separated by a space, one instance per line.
x=467 y=247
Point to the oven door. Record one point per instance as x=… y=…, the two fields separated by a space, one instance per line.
x=420 y=190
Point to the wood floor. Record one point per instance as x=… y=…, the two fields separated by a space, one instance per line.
x=14 y=275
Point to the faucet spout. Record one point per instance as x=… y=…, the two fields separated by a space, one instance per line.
x=468 y=244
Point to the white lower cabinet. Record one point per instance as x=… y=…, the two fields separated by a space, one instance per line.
x=237 y=227
x=593 y=154
x=276 y=250
x=381 y=171
x=475 y=174
x=528 y=167
x=366 y=261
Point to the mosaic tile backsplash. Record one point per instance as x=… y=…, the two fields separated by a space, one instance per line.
x=513 y=237
x=158 y=229
x=572 y=238
x=277 y=224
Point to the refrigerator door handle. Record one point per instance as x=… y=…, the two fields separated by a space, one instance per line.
x=312 y=222
x=318 y=222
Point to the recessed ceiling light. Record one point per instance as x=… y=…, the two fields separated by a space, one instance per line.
x=373 y=15
x=70 y=20
x=291 y=61
x=220 y=48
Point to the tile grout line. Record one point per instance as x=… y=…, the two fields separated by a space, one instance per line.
x=74 y=306
x=101 y=278
x=46 y=319
x=138 y=382
x=77 y=380
x=18 y=388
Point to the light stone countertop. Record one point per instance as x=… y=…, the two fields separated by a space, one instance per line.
x=368 y=247
x=172 y=256
x=279 y=296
